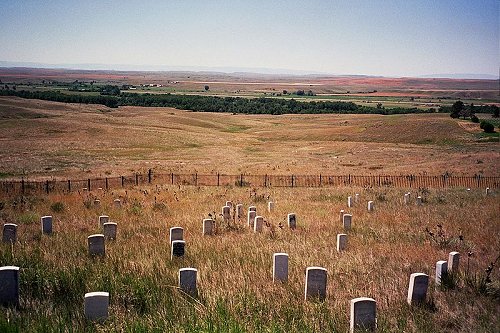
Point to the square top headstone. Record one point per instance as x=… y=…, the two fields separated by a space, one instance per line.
x=9 y=232
x=363 y=314
x=417 y=290
x=96 y=305
x=9 y=285
x=315 y=283
x=176 y=233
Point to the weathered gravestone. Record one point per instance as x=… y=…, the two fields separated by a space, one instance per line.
x=363 y=314
x=96 y=245
x=251 y=218
x=341 y=242
x=109 y=230
x=417 y=290
x=96 y=305
x=97 y=203
x=103 y=219
x=349 y=202
x=178 y=249
x=176 y=233
x=46 y=224
x=9 y=285
x=239 y=211
x=117 y=203
x=487 y=191
x=292 y=221
x=9 y=233
x=370 y=206
x=406 y=199
x=270 y=206
x=441 y=271
x=257 y=226
x=356 y=198
x=208 y=227
x=341 y=216
x=187 y=280
x=280 y=267
x=347 y=222
x=453 y=262
x=252 y=209
x=226 y=213
x=315 y=283
x=419 y=201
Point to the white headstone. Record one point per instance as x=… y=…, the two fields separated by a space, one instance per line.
x=178 y=249
x=487 y=191
x=96 y=245
x=280 y=267
x=419 y=200
x=117 y=203
x=109 y=230
x=292 y=221
x=208 y=227
x=176 y=233
x=341 y=242
x=187 y=280
x=9 y=285
x=370 y=206
x=251 y=218
x=347 y=222
x=349 y=202
x=363 y=314
x=356 y=198
x=46 y=224
x=97 y=203
x=417 y=290
x=239 y=211
x=441 y=271
x=453 y=262
x=226 y=212
x=407 y=198
x=270 y=206
x=103 y=219
x=252 y=209
x=9 y=232
x=257 y=226
x=96 y=305
x=315 y=283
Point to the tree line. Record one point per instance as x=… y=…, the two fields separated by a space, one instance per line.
x=109 y=97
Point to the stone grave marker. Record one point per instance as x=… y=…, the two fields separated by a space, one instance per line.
x=239 y=211
x=9 y=233
x=453 y=262
x=341 y=242
x=419 y=201
x=347 y=222
x=97 y=203
x=349 y=202
x=109 y=230
x=103 y=219
x=226 y=212
x=96 y=245
x=96 y=305
x=292 y=221
x=230 y=204
x=251 y=218
x=341 y=216
x=356 y=198
x=187 y=280
x=176 y=233
x=406 y=199
x=46 y=224
x=370 y=206
x=178 y=249
x=117 y=203
x=417 y=290
x=441 y=271
x=363 y=314
x=208 y=227
x=252 y=209
x=270 y=206
x=315 y=283
x=280 y=267
x=487 y=191
x=9 y=285
x=257 y=226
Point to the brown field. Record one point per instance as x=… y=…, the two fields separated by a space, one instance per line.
x=41 y=138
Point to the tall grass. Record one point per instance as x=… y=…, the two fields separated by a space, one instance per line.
x=236 y=293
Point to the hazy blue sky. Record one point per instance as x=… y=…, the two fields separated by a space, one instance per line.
x=388 y=37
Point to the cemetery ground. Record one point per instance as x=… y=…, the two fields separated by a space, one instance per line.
x=235 y=290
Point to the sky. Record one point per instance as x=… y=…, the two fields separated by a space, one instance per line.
x=364 y=37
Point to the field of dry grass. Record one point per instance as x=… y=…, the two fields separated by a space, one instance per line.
x=236 y=293
x=48 y=139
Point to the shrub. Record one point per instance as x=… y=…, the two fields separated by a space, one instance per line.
x=487 y=127
x=57 y=207
x=474 y=119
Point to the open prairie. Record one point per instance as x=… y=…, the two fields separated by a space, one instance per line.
x=49 y=139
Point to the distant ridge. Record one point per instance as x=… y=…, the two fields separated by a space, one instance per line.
x=243 y=71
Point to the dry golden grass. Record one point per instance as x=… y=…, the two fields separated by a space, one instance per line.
x=42 y=138
x=236 y=293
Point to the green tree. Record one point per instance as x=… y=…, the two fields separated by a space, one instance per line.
x=206 y=88
x=456 y=109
